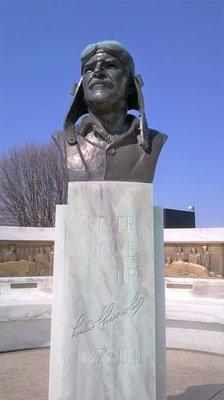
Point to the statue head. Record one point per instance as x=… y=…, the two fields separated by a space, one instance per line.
x=42 y=250
x=107 y=81
x=204 y=248
x=179 y=249
x=194 y=250
x=12 y=247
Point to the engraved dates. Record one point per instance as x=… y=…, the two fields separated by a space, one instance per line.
x=106 y=357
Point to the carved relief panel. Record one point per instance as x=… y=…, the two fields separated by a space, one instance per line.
x=26 y=259
x=209 y=256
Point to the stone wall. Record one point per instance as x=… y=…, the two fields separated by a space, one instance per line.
x=29 y=251
x=194 y=313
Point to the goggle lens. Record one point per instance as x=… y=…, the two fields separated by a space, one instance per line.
x=111 y=45
x=88 y=51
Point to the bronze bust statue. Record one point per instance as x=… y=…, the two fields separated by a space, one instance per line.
x=109 y=143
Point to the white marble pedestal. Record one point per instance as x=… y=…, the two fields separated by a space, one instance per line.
x=108 y=322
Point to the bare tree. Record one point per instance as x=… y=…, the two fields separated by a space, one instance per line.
x=33 y=179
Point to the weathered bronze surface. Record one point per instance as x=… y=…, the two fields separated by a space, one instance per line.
x=108 y=143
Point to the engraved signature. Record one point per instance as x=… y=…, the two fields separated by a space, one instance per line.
x=107 y=316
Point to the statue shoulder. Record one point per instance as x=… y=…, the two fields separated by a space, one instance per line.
x=68 y=136
x=156 y=141
x=59 y=139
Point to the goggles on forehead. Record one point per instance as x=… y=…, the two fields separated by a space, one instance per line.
x=112 y=47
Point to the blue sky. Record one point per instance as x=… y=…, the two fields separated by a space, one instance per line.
x=178 y=49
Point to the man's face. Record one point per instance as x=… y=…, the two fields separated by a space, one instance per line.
x=105 y=81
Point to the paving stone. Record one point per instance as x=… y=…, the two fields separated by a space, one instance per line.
x=190 y=375
x=218 y=396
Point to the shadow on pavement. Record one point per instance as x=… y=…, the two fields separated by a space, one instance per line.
x=202 y=392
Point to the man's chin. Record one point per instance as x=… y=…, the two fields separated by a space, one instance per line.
x=100 y=97
x=100 y=90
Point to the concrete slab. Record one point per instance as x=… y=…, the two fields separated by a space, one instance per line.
x=194 y=235
x=193 y=375
x=203 y=392
x=219 y=396
x=20 y=233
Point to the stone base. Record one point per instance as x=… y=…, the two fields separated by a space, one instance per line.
x=108 y=322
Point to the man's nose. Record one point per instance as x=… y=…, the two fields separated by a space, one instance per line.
x=98 y=70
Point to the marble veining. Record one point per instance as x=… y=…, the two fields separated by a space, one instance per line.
x=107 y=342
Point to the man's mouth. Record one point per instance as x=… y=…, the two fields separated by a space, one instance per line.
x=98 y=82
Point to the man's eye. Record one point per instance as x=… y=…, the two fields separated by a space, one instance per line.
x=88 y=69
x=111 y=66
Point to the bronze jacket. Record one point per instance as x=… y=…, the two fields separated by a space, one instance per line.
x=97 y=156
